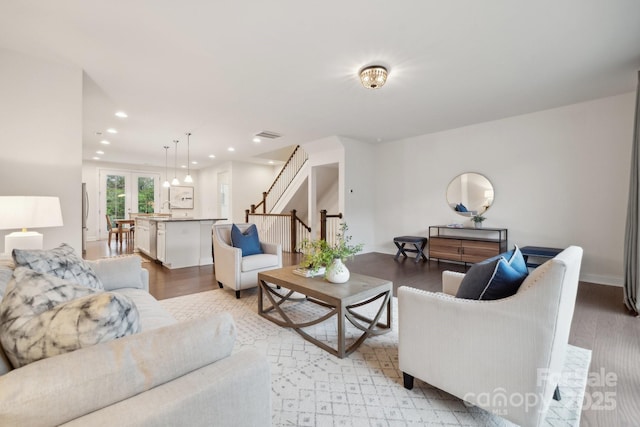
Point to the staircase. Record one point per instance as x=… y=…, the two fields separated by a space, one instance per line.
x=286 y=228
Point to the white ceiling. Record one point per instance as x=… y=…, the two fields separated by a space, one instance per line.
x=225 y=70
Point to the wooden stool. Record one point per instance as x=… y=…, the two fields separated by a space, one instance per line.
x=418 y=242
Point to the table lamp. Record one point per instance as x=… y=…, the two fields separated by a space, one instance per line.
x=27 y=212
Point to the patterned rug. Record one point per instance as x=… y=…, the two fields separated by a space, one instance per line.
x=311 y=387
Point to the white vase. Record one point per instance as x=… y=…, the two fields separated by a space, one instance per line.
x=337 y=272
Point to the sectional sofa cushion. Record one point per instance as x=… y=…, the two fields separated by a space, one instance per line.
x=42 y=315
x=62 y=262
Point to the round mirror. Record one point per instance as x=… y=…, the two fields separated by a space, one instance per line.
x=470 y=194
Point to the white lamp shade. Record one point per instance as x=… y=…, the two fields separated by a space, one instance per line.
x=20 y=212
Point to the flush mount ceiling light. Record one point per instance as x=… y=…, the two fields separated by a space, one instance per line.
x=373 y=77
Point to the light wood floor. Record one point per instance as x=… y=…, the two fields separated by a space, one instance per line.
x=600 y=323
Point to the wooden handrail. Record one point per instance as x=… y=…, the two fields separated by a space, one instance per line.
x=289 y=171
x=323 y=222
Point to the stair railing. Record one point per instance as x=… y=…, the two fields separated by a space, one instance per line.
x=270 y=198
x=284 y=228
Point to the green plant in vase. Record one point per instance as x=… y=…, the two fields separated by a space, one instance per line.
x=319 y=254
x=477 y=220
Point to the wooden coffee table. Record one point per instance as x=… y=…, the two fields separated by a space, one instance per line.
x=341 y=299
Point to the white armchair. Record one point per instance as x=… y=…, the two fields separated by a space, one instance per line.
x=486 y=352
x=235 y=271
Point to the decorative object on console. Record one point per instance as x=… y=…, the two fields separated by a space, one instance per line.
x=188 y=178
x=319 y=253
x=28 y=212
x=373 y=76
x=175 y=180
x=477 y=220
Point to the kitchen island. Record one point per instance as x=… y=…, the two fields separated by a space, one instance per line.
x=176 y=242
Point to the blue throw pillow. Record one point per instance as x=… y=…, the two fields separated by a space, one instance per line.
x=516 y=260
x=248 y=241
x=490 y=281
x=462 y=208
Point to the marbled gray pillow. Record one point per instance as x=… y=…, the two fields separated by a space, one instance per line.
x=42 y=315
x=62 y=262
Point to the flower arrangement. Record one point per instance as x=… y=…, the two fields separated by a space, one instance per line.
x=319 y=253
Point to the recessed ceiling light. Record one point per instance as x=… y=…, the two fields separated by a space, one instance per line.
x=99 y=152
x=212 y=156
x=105 y=142
x=270 y=162
x=256 y=139
x=183 y=166
x=96 y=158
x=193 y=162
x=231 y=149
x=121 y=114
x=112 y=130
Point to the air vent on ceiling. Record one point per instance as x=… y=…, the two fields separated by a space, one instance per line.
x=268 y=134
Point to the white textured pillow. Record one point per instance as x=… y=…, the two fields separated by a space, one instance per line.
x=42 y=315
x=62 y=262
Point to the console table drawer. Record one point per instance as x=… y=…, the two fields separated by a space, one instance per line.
x=479 y=251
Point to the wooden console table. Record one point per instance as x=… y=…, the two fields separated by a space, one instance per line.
x=467 y=245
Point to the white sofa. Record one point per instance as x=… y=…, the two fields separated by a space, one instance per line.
x=492 y=353
x=239 y=272
x=172 y=373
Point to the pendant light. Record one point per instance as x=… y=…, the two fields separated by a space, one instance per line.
x=175 y=166
x=166 y=184
x=188 y=177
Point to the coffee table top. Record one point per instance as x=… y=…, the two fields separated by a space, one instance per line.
x=357 y=288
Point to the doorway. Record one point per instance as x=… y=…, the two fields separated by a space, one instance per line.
x=125 y=192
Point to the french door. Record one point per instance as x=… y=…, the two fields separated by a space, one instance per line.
x=125 y=192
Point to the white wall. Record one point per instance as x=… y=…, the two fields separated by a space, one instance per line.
x=41 y=138
x=248 y=181
x=560 y=176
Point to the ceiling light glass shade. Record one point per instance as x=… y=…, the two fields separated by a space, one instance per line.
x=166 y=184
x=188 y=178
x=175 y=181
x=373 y=77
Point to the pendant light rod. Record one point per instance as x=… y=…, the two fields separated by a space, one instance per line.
x=188 y=177
x=175 y=165
x=166 y=168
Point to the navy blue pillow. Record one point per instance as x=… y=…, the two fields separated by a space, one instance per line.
x=248 y=241
x=490 y=281
x=462 y=208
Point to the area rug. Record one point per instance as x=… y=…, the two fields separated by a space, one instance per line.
x=311 y=387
